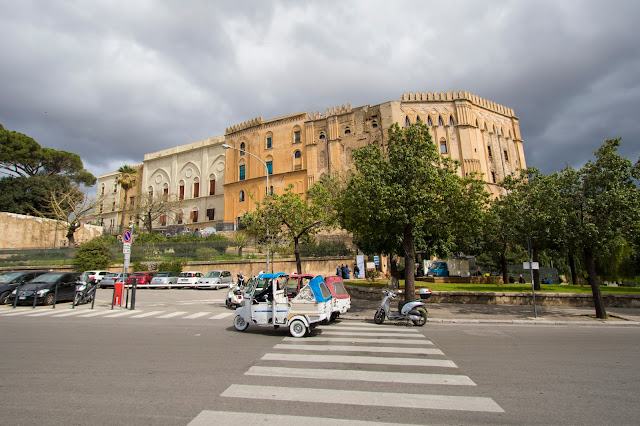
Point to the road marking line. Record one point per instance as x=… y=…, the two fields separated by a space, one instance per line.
x=352 y=359
x=70 y=313
x=148 y=314
x=173 y=314
x=365 y=334
x=363 y=340
x=375 y=349
x=10 y=314
x=121 y=313
x=43 y=312
x=208 y=417
x=364 y=398
x=94 y=314
x=197 y=315
x=222 y=315
x=370 y=329
x=360 y=375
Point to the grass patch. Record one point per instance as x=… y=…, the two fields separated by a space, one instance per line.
x=515 y=288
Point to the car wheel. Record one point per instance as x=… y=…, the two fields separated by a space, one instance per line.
x=48 y=299
x=239 y=323
x=378 y=318
x=423 y=318
x=228 y=303
x=3 y=297
x=297 y=328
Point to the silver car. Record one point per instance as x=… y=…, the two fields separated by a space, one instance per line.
x=164 y=279
x=215 y=280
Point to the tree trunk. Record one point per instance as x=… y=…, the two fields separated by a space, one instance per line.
x=590 y=264
x=574 y=272
x=409 y=260
x=149 y=223
x=503 y=266
x=536 y=272
x=296 y=250
x=124 y=209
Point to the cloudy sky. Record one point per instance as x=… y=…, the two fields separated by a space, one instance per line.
x=112 y=80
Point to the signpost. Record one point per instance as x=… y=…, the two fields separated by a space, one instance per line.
x=531 y=265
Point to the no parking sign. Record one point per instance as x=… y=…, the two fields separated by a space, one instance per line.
x=126 y=237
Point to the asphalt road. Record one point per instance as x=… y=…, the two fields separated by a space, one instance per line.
x=162 y=369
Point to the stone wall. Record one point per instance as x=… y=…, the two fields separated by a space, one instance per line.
x=28 y=232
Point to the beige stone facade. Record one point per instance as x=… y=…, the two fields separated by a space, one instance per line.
x=19 y=231
x=112 y=200
x=482 y=135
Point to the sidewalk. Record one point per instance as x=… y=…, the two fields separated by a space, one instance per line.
x=362 y=309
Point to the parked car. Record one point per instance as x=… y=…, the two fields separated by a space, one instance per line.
x=164 y=279
x=296 y=282
x=10 y=280
x=215 y=280
x=111 y=279
x=189 y=278
x=43 y=288
x=96 y=275
x=140 y=278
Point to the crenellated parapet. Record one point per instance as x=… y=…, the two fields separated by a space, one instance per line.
x=460 y=95
x=338 y=110
x=239 y=127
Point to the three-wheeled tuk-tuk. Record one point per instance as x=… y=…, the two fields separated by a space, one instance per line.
x=271 y=306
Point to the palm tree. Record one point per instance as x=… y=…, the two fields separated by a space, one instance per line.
x=127 y=180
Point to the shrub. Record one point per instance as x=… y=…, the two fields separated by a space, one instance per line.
x=175 y=265
x=93 y=254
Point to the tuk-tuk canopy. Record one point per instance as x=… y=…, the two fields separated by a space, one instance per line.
x=271 y=276
x=320 y=290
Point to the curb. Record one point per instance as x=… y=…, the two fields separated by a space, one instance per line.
x=511 y=321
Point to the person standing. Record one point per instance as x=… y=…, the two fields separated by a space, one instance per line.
x=345 y=272
x=356 y=271
x=339 y=271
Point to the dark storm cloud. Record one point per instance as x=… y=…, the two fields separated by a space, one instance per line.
x=113 y=81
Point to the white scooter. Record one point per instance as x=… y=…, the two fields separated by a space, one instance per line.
x=414 y=310
x=234 y=295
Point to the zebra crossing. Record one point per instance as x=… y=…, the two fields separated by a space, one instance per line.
x=353 y=354
x=83 y=312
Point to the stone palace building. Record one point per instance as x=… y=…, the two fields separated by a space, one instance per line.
x=216 y=184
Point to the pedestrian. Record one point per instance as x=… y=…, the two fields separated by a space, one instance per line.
x=356 y=271
x=339 y=271
x=521 y=279
x=345 y=272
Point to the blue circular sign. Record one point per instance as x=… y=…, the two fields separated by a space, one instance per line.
x=126 y=237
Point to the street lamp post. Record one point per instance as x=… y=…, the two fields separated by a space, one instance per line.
x=225 y=146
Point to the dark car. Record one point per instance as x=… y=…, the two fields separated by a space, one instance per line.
x=43 y=288
x=12 y=279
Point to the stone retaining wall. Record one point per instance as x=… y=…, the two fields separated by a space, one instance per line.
x=510 y=298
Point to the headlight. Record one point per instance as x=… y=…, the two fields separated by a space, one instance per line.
x=15 y=291
x=43 y=292
x=81 y=287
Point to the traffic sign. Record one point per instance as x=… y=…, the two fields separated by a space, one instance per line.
x=126 y=236
x=126 y=247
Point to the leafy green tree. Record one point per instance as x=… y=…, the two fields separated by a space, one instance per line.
x=93 y=254
x=604 y=212
x=406 y=198
x=293 y=218
x=27 y=195
x=127 y=178
x=500 y=237
x=21 y=155
x=240 y=240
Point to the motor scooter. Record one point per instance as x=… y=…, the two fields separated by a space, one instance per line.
x=414 y=310
x=234 y=295
x=85 y=292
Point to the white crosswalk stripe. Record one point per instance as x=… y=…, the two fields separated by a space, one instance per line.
x=197 y=315
x=43 y=312
x=83 y=312
x=223 y=315
x=395 y=349
x=172 y=314
x=13 y=313
x=147 y=314
x=376 y=399
x=208 y=417
x=354 y=348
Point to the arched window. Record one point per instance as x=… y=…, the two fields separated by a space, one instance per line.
x=374 y=124
x=297 y=135
x=443 y=146
x=440 y=123
x=429 y=122
x=407 y=122
x=181 y=190
x=347 y=131
x=322 y=136
x=451 y=122
x=269 y=140
x=241 y=198
x=418 y=119
x=297 y=154
x=242 y=148
x=212 y=184
x=102 y=189
x=196 y=188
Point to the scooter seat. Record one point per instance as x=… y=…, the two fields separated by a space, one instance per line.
x=404 y=302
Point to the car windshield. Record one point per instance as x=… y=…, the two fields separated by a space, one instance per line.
x=185 y=274
x=138 y=274
x=212 y=274
x=10 y=276
x=47 y=278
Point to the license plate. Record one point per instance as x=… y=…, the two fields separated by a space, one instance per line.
x=22 y=298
